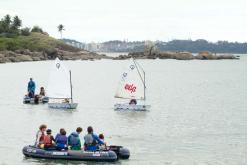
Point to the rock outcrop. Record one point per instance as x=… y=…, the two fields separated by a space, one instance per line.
x=27 y=55
x=177 y=55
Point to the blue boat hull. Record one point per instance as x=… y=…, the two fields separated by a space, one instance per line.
x=99 y=156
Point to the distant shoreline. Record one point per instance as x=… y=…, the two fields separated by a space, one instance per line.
x=29 y=56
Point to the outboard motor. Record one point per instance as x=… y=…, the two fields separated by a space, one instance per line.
x=36 y=99
x=122 y=153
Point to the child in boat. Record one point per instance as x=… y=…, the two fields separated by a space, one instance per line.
x=61 y=140
x=40 y=135
x=49 y=141
x=133 y=102
x=102 y=138
x=42 y=91
x=66 y=101
x=74 y=141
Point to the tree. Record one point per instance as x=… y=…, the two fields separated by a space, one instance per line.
x=150 y=48
x=6 y=21
x=60 y=29
x=37 y=29
x=25 y=31
x=16 y=24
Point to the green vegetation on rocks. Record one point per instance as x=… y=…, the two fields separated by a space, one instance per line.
x=25 y=44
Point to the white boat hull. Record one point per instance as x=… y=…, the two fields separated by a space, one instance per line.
x=63 y=105
x=131 y=107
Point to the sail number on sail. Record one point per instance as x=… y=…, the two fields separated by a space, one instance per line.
x=130 y=87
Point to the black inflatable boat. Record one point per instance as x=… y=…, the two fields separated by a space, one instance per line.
x=111 y=155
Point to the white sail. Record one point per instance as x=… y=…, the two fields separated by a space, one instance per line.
x=132 y=85
x=59 y=81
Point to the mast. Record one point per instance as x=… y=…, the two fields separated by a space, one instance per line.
x=143 y=79
x=71 y=94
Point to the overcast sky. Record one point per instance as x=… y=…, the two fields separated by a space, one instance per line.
x=102 y=20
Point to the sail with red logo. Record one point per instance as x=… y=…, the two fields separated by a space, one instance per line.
x=132 y=86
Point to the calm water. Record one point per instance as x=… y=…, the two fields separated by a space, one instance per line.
x=198 y=114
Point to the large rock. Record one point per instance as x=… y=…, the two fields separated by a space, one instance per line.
x=205 y=55
x=21 y=58
x=184 y=56
x=166 y=55
x=2 y=56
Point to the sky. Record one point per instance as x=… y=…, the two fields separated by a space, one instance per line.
x=165 y=20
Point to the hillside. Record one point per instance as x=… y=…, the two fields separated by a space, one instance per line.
x=38 y=46
x=34 y=42
x=195 y=46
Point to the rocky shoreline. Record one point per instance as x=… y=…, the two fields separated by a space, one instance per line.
x=27 y=55
x=205 y=55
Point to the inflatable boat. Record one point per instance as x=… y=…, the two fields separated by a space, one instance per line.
x=111 y=155
x=35 y=100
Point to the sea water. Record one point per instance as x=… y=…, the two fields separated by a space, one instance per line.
x=198 y=112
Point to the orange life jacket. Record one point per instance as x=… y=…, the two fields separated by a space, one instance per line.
x=41 y=139
x=47 y=140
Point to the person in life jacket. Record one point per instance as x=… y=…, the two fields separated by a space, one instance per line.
x=92 y=140
x=49 y=140
x=74 y=141
x=61 y=140
x=40 y=135
x=102 y=138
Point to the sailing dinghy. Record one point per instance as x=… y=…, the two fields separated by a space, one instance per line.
x=60 y=87
x=132 y=86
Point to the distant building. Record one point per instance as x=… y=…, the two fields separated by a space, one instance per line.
x=74 y=43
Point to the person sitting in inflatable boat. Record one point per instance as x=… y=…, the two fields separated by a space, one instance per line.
x=40 y=135
x=91 y=140
x=102 y=138
x=61 y=140
x=74 y=140
x=49 y=141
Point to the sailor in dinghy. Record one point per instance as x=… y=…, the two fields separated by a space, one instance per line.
x=31 y=97
x=132 y=86
x=60 y=87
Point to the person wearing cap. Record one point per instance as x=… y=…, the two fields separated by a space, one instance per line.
x=49 y=140
x=31 y=88
x=92 y=140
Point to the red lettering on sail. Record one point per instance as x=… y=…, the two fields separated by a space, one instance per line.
x=130 y=87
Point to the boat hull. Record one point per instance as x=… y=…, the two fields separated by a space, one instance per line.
x=63 y=105
x=28 y=100
x=131 y=107
x=100 y=156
